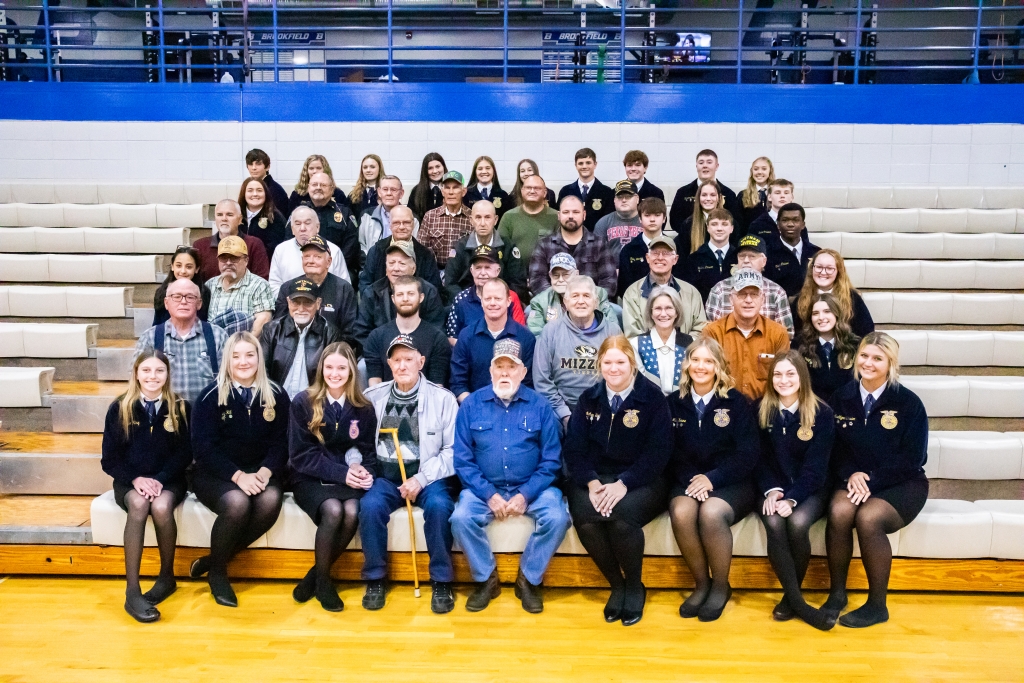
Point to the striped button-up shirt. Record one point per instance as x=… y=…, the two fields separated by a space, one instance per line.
x=775 y=307
x=249 y=296
x=441 y=229
x=191 y=369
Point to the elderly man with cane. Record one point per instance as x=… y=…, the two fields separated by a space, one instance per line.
x=423 y=414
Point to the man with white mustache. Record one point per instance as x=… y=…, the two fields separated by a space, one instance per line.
x=292 y=345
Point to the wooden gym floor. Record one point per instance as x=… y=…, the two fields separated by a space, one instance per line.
x=74 y=629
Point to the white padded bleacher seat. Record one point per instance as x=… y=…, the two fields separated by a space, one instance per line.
x=1007 y=527
x=162 y=240
x=948 y=529
x=43 y=215
x=47 y=340
x=914 y=197
x=128 y=216
x=1004 y=197
x=100 y=240
x=75 y=268
x=968 y=396
x=164 y=193
x=24 y=387
x=86 y=215
x=845 y=220
x=942 y=308
x=62 y=302
x=209 y=193
x=916 y=246
x=131 y=268
x=33 y=193
x=180 y=216
x=80 y=268
x=9 y=215
x=6 y=194
x=943 y=275
x=942 y=220
x=18 y=240
x=76 y=193
x=825 y=196
x=108 y=521
x=991 y=220
x=961 y=198
x=120 y=193
x=894 y=220
x=970 y=455
x=879 y=197
x=960 y=348
x=24 y=267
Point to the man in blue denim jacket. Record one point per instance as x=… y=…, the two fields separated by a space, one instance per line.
x=507 y=455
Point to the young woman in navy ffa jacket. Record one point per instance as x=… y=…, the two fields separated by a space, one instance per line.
x=616 y=448
x=714 y=455
x=880 y=450
x=146 y=450
x=796 y=441
x=240 y=442
x=333 y=460
x=828 y=346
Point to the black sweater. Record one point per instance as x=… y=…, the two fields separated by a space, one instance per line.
x=149 y=451
x=599 y=442
x=724 y=446
x=798 y=467
x=311 y=460
x=234 y=437
x=888 y=456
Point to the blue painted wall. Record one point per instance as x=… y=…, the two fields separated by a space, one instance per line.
x=883 y=104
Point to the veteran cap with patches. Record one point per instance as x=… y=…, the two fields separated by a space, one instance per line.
x=485 y=252
x=626 y=187
x=746 y=277
x=316 y=242
x=508 y=348
x=403 y=340
x=302 y=288
x=752 y=242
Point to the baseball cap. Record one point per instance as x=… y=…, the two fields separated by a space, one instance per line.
x=508 y=348
x=751 y=242
x=746 y=277
x=626 y=187
x=316 y=242
x=404 y=246
x=484 y=252
x=662 y=241
x=233 y=245
x=302 y=289
x=562 y=260
x=453 y=175
x=402 y=340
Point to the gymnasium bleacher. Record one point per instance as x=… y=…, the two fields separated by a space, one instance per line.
x=938 y=267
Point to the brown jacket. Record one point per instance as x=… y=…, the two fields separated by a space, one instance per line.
x=749 y=357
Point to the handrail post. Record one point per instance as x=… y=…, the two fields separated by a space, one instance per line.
x=276 y=60
x=977 y=35
x=161 y=58
x=739 y=45
x=391 y=43
x=49 y=45
x=856 y=47
x=504 y=57
x=622 y=41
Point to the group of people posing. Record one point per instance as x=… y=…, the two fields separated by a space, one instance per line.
x=600 y=406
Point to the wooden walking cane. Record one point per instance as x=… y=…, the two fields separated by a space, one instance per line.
x=408 y=508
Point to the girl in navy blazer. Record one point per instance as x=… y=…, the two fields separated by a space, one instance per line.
x=146 y=450
x=828 y=345
x=796 y=441
x=240 y=441
x=616 y=448
x=881 y=446
x=333 y=460
x=715 y=451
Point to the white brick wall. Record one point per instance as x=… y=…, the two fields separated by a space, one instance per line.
x=804 y=153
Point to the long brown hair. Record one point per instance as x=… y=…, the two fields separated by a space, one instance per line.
x=266 y=211
x=517 y=189
x=749 y=195
x=127 y=400
x=356 y=195
x=841 y=288
x=845 y=340
x=699 y=227
x=771 y=402
x=317 y=391
x=494 y=182
x=419 y=198
x=302 y=187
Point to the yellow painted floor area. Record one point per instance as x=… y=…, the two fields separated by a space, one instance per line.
x=75 y=630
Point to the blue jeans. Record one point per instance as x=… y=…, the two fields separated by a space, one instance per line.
x=550 y=515
x=375 y=510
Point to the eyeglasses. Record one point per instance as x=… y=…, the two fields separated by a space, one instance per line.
x=825 y=270
x=178 y=298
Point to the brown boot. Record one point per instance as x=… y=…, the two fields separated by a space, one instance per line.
x=530 y=595
x=484 y=593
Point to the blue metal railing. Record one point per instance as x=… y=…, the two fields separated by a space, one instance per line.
x=502 y=40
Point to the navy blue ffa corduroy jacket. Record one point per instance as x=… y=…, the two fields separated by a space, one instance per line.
x=724 y=446
x=311 y=460
x=149 y=451
x=797 y=466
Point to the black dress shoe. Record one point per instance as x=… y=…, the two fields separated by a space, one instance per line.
x=711 y=609
x=140 y=610
x=222 y=591
x=303 y=592
x=613 y=608
x=835 y=604
x=328 y=596
x=867 y=615
x=484 y=592
x=633 y=607
x=782 y=611
x=200 y=567
x=161 y=590
x=443 y=599
x=529 y=595
x=374 y=597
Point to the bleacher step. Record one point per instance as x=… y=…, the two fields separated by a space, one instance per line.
x=44 y=463
x=46 y=535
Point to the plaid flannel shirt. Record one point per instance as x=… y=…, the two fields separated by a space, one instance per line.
x=440 y=231
x=249 y=296
x=775 y=307
x=593 y=257
x=191 y=369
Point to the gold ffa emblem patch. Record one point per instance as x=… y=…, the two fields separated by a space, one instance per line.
x=631 y=418
x=722 y=417
x=337 y=216
x=889 y=420
x=263 y=223
x=497 y=202
x=168 y=425
x=269 y=414
x=596 y=204
x=804 y=433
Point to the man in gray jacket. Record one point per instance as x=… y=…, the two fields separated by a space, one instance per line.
x=565 y=359
x=424 y=415
x=376 y=225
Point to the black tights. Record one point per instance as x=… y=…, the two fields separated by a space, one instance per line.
x=338 y=523
x=162 y=511
x=617 y=548
x=705 y=540
x=873 y=519
x=241 y=519
x=789 y=545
